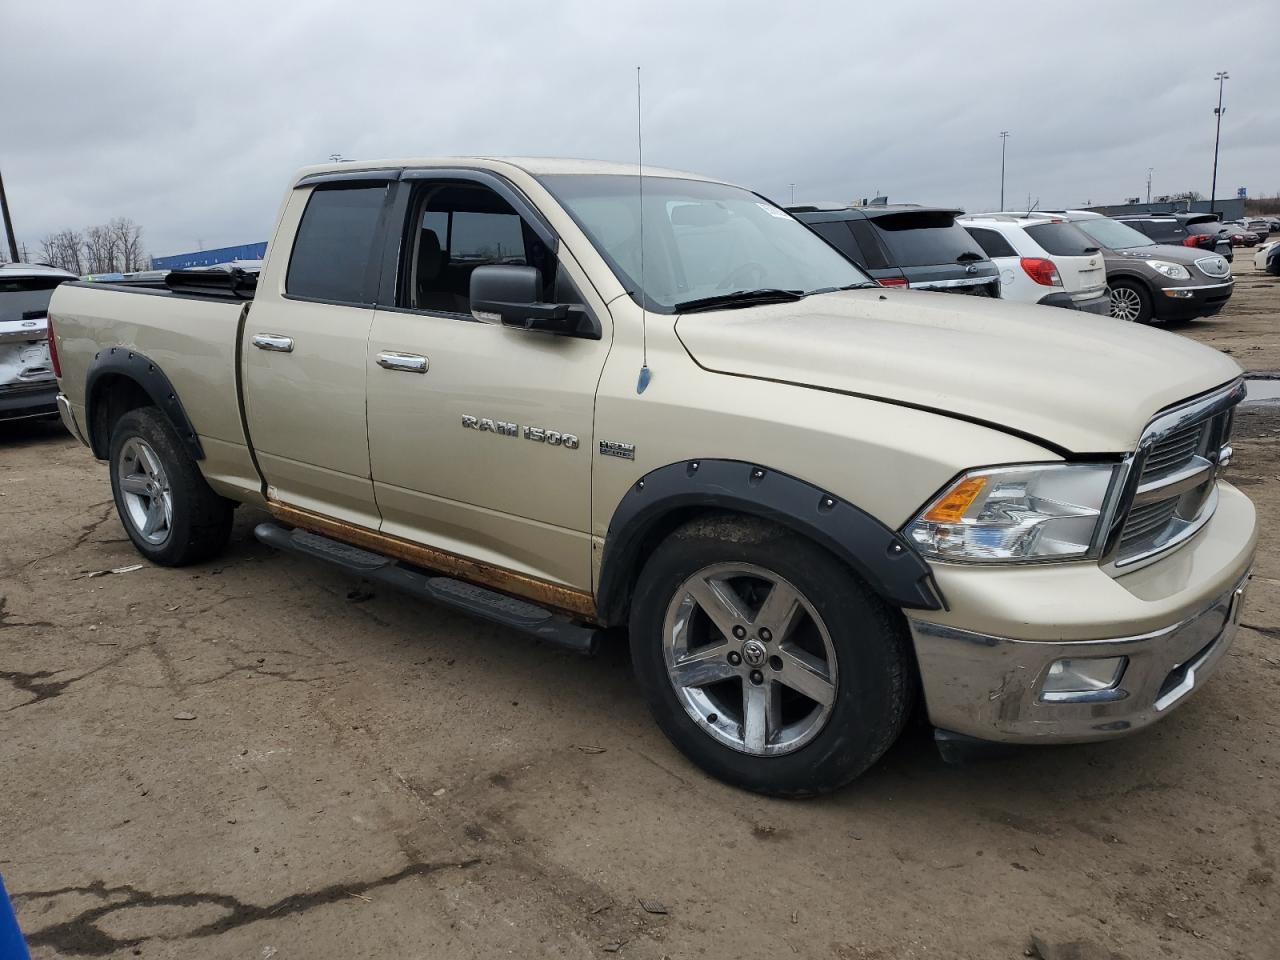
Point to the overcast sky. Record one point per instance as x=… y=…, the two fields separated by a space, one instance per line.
x=190 y=117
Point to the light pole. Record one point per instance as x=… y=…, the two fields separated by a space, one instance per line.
x=1221 y=76
x=8 y=224
x=1149 y=170
x=1004 y=139
x=793 y=194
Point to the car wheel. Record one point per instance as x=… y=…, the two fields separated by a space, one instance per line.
x=1130 y=302
x=168 y=510
x=765 y=660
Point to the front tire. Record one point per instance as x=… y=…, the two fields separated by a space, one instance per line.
x=765 y=660
x=1131 y=302
x=167 y=508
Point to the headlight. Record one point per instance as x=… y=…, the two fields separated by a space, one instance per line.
x=1001 y=514
x=1174 y=271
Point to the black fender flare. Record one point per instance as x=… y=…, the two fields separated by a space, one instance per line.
x=146 y=373
x=887 y=561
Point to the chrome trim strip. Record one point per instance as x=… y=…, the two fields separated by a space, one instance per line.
x=1195 y=473
x=69 y=419
x=962 y=282
x=1205 y=286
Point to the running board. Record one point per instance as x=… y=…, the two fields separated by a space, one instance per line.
x=478 y=601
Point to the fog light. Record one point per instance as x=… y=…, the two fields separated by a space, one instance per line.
x=1072 y=679
x=1177 y=294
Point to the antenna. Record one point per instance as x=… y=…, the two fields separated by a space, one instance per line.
x=645 y=376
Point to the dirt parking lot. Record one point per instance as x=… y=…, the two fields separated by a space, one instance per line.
x=256 y=758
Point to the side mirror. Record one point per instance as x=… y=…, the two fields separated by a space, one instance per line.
x=510 y=295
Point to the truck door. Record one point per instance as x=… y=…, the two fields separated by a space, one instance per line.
x=303 y=350
x=481 y=435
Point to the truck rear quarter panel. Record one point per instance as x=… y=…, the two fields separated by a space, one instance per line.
x=193 y=340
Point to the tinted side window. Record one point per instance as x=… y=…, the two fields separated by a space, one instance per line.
x=874 y=254
x=1062 y=239
x=836 y=233
x=992 y=244
x=332 y=251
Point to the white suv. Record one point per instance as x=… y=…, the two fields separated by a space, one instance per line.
x=1043 y=259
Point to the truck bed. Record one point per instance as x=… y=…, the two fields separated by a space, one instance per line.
x=191 y=334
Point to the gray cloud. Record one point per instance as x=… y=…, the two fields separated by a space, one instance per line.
x=190 y=118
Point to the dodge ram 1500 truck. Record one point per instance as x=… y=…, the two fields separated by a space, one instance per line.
x=564 y=397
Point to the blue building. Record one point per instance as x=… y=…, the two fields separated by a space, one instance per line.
x=210 y=258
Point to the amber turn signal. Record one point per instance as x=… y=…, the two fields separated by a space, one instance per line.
x=950 y=507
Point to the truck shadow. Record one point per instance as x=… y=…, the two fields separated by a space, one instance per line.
x=47 y=431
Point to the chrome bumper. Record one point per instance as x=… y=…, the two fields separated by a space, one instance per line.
x=69 y=419
x=992 y=688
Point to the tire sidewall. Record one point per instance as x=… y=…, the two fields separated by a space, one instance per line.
x=872 y=669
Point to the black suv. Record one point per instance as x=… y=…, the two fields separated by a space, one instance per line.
x=906 y=246
x=1203 y=230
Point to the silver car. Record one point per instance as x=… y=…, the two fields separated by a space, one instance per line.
x=27 y=384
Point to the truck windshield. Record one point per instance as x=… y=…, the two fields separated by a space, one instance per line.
x=26 y=297
x=701 y=240
x=1116 y=236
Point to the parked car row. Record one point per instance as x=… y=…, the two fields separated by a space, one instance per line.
x=1147 y=269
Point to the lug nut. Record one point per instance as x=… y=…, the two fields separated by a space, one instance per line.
x=735 y=658
x=766 y=634
x=757 y=677
x=739 y=632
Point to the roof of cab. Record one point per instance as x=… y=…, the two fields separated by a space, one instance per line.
x=535 y=166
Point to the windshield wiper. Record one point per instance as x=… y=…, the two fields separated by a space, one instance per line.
x=740 y=298
x=969 y=255
x=860 y=285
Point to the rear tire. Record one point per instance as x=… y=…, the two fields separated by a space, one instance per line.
x=167 y=508
x=765 y=660
x=1131 y=302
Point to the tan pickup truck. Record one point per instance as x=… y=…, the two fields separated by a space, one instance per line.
x=812 y=501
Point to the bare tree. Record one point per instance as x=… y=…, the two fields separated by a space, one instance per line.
x=128 y=244
x=64 y=249
x=114 y=247
x=100 y=250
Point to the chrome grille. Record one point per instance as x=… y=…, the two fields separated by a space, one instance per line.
x=1172 y=489
x=1146 y=520
x=1176 y=451
x=1214 y=267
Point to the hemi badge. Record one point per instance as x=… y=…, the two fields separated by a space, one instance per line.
x=611 y=448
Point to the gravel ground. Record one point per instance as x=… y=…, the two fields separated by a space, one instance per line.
x=256 y=759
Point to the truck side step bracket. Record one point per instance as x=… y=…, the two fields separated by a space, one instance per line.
x=478 y=601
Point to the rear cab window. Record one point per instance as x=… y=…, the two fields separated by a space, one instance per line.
x=333 y=253
x=925 y=238
x=1062 y=239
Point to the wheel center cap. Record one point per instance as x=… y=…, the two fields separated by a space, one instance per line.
x=754 y=653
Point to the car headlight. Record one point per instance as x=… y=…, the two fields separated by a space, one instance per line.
x=1174 y=271
x=1024 y=513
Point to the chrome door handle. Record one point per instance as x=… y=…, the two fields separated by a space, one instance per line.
x=408 y=362
x=272 y=341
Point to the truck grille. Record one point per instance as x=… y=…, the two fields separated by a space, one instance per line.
x=1173 y=488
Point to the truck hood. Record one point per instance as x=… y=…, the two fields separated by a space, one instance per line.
x=1079 y=382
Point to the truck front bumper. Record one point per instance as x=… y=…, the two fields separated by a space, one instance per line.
x=1163 y=628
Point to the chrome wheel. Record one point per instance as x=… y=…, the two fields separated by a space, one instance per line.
x=1126 y=304
x=144 y=488
x=750 y=659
